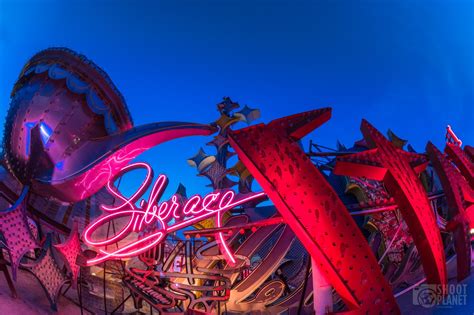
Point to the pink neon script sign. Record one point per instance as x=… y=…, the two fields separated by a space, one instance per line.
x=156 y=219
x=451 y=136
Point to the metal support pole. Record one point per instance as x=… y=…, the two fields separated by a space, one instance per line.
x=303 y=293
x=79 y=291
x=322 y=291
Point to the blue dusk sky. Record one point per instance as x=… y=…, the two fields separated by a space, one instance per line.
x=404 y=65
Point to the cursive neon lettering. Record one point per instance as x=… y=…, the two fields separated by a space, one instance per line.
x=155 y=219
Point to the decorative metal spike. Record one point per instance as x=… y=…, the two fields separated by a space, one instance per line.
x=227 y=105
x=248 y=114
x=397 y=141
x=70 y=249
x=49 y=274
x=201 y=160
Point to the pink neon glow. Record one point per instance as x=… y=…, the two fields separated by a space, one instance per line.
x=107 y=168
x=155 y=217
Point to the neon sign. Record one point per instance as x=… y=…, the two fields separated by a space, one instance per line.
x=154 y=220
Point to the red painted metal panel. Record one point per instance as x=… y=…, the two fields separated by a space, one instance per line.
x=453 y=184
x=469 y=152
x=399 y=169
x=462 y=161
x=312 y=209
